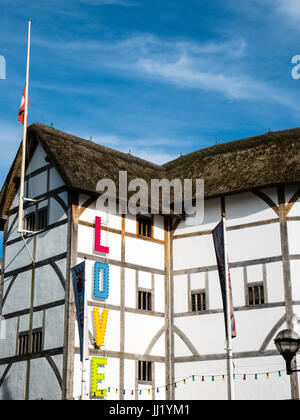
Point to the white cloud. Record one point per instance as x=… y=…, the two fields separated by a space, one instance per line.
x=186 y=73
x=289 y=7
x=219 y=67
x=159 y=158
x=184 y=63
x=150 y=149
x=115 y=141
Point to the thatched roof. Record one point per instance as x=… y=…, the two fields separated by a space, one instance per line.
x=266 y=160
x=256 y=162
x=83 y=163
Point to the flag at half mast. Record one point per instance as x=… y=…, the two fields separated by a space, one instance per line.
x=22 y=107
x=219 y=243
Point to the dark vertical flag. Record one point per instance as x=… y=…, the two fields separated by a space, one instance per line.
x=221 y=254
x=78 y=276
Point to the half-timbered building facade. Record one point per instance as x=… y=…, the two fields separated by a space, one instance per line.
x=164 y=335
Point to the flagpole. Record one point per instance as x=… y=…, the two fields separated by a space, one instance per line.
x=85 y=342
x=231 y=393
x=21 y=205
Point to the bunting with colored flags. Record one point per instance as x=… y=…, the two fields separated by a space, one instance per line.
x=218 y=237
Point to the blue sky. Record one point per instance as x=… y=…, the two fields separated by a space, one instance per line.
x=156 y=77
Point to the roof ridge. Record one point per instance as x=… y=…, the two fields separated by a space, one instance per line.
x=96 y=146
x=269 y=159
x=228 y=147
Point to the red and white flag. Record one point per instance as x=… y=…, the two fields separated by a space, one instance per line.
x=22 y=107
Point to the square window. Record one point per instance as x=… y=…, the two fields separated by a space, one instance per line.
x=256 y=294
x=198 y=301
x=145 y=226
x=144 y=300
x=37 y=220
x=36 y=342
x=144 y=371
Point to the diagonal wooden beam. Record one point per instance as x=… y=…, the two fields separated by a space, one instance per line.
x=186 y=341
x=5 y=373
x=86 y=204
x=291 y=202
x=55 y=370
x=267 y=200
x=270 y=335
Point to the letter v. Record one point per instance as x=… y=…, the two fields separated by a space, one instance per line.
x=100 y=325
